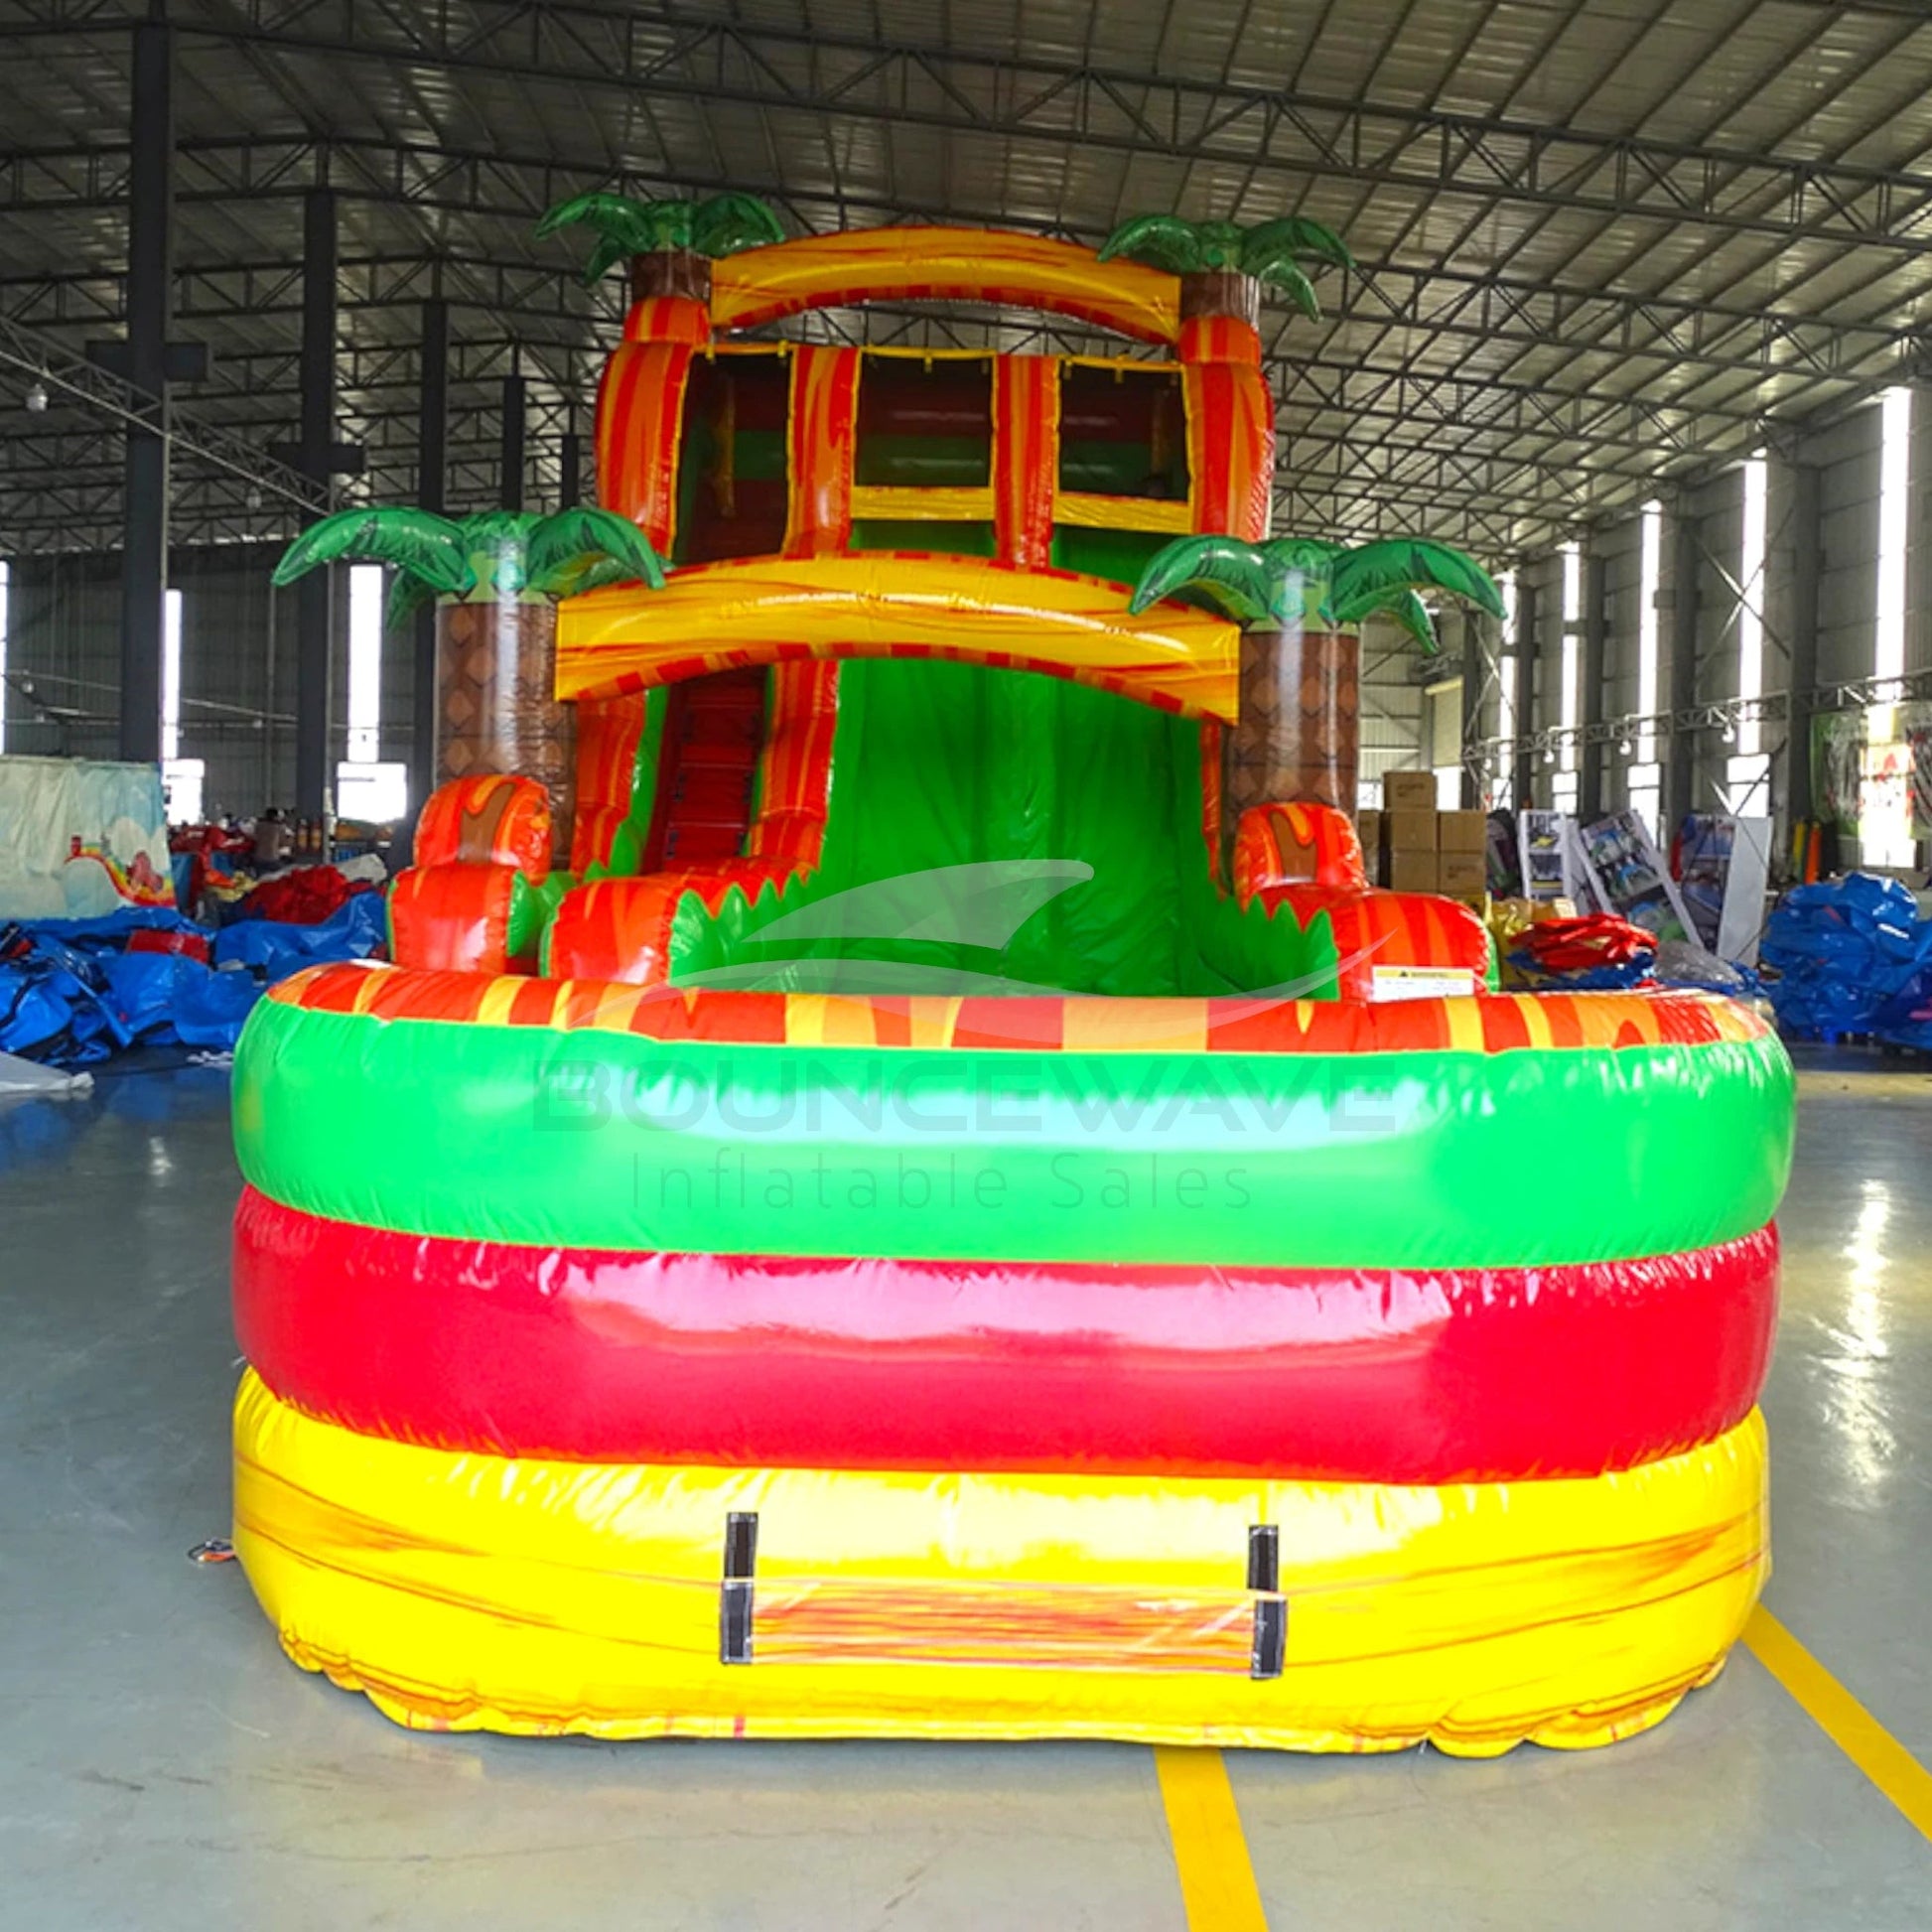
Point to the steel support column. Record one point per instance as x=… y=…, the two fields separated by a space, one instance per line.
x=1526 y=644
x=150 y=251
x=515 y=400
x=1590 y=786
x=1474 y=669
x=1807 y=559
x=315 y=609
x=432 y=483
x=1680 y=792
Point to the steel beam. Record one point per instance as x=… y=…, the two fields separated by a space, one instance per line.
x=1526 y=652
x=515 y=398
x=1674 y=331
x=150 y=283
x=432 y=467
x=1589 y=784
x=315 y=618
x=1475 y=678
x=1807 y=563
x=1034 y=99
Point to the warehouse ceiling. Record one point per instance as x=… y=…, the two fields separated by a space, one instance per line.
x=1600 y=246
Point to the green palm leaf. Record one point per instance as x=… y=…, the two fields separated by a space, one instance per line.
x=610 y=249
x=1370 y=577
x=607 y=212
x=1159 y=241
x=565 y=548
x=407 y=596
x=1412 y=615
x=497 y=545
x=1233 y=577
x=625 y=226
x=726 y=223
x=591 y=574
x=420 y=543
x=1311 y=556
x=1295 y=238
x=1279 y=272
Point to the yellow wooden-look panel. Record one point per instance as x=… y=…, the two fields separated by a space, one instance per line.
x=1096 y=512
x=471 y=1591
x=898 y=504
x=943 y=264
x=714 y=616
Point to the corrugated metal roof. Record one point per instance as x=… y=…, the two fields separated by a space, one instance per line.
x=1601 y=244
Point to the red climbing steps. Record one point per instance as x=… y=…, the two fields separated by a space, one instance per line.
x=714 y=731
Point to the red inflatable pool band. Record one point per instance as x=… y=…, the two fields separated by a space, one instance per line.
x=1405 y=1375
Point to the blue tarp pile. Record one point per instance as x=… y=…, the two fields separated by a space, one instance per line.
x=71 y=993
x=1854 y=957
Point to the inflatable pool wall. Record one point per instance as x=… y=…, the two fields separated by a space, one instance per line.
x=909 y=1226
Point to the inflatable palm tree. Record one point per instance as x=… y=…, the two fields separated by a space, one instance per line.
x=670 y=245
x=1223 y=267
x=495 y=578
x=1301 y=601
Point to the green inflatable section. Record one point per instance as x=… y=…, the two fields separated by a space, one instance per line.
x=595 y=1138
x=940 y=765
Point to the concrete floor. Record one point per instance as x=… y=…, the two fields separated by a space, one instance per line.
x=162 y=1768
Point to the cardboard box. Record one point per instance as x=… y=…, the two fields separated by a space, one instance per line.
x=1406 y=831
x=1407 y=792
x=1461 y=831
x=1368 y=828
x=1410 y=871
x=1461 y=874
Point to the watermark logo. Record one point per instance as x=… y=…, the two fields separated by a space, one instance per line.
x=1193 y=1103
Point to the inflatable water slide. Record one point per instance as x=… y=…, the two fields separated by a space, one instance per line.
x=898 y=1181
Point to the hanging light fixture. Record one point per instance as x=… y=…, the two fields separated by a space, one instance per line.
x=36 y=398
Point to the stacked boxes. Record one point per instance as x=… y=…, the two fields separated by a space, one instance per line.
x=1461 y=843
x=1411 y=847
x=1409 y=831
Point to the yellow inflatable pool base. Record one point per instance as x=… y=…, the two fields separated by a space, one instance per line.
x=464 y=1592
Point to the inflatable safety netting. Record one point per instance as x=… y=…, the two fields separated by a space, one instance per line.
x=915 y=1190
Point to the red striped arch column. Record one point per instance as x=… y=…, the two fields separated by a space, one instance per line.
x=1230 y=427
x=639 y=415
x=820 y=443
x=1026 y=458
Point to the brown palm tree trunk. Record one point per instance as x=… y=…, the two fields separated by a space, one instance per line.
x=497 y=680
x=1220 y=294
x=1297 y=733
x=676 y=272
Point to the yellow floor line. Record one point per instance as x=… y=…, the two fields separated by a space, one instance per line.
x=1843 y=1718
x=1217 y=1883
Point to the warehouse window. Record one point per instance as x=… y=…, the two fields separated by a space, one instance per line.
x=925 y=424
x=1563 y=786
x=1123 y=433
x=1884 y=799
x=182 y=779
x=1747 y=771
x=365 y=663
x=734 y=489
x=1503 y=783
x=1651 y=577
x=1645 y=780
x=366 y=787
x=1751 y=609
x=1894 y=477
